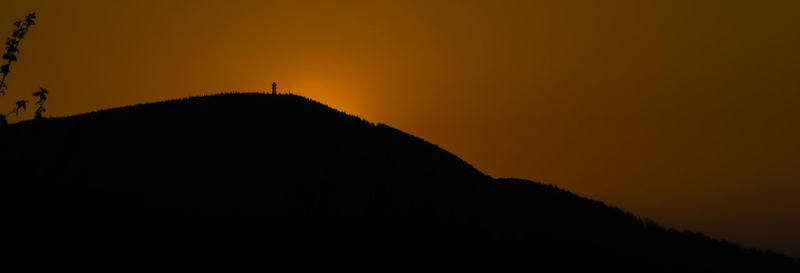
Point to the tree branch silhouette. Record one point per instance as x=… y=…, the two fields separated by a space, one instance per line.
x=12 y=47
x=22 y=104
x=42 y=94
x=21 y=28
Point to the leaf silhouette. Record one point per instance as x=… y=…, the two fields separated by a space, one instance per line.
x=10 y=57
x=22 y=104
x=29 y=19
x=41 y=94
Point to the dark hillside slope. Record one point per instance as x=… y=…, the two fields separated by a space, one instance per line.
x=253 y=182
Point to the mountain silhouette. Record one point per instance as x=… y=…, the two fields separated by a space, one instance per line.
x=256 y=182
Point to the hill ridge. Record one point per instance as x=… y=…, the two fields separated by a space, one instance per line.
x=217 y=182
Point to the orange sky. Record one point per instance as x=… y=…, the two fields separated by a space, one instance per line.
x=683 y=111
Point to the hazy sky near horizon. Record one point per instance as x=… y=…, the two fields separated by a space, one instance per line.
x=682 y=111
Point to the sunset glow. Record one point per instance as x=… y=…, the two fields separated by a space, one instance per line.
x=682 y=111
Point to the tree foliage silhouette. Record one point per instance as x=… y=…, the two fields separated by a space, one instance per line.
x=22 y=104
x=42 y=95
x=21 y=28
x=12 y=47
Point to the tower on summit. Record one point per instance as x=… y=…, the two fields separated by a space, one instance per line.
x=274 y=88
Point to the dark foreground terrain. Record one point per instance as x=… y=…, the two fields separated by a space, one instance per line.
x=261 y=183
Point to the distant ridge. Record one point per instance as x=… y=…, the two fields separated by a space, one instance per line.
x=257 y=182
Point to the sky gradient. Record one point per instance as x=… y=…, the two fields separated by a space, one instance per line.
x=685 y=112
